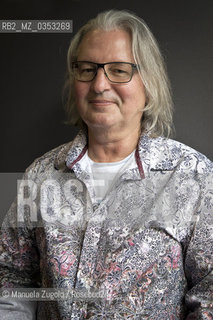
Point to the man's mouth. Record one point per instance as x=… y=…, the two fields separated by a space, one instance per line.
x=101 y=102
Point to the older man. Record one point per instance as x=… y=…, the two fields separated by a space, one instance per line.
x=121 y=215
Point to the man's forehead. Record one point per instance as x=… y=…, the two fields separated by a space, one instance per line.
x=97 y=35
x=103 y=41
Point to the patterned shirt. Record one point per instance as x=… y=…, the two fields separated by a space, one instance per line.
x=147 y=247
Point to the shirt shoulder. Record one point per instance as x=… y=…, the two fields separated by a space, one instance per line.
x=188 y=152
x=50 y=161
x=168 y=154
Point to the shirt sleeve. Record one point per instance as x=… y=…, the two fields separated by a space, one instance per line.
x=199 y=258
x=19 y=265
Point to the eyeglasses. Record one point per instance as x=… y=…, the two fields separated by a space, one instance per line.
x=117 y=72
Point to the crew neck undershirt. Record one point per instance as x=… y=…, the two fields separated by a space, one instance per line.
x=105 y=174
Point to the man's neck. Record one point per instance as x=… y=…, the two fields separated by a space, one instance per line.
x=111 y=147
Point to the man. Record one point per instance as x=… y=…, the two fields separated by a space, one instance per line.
x=121 y=210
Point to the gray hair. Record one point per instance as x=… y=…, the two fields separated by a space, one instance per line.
x=157 y=115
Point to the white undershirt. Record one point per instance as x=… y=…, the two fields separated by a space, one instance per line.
x=105 y=174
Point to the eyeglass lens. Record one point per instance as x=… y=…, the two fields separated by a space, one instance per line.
x=115 y=72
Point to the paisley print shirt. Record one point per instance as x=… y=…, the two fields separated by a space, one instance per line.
x=148 y=246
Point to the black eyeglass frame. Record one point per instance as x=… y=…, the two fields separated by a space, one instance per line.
x=101 y=65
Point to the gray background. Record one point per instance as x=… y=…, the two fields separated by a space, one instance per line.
x=33 y=69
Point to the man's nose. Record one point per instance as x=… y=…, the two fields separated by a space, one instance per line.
x=100 y=83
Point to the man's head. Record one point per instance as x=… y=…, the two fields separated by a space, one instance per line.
x=157 y=113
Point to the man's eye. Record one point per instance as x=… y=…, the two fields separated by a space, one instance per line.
x=119 y=71
x=86 y=70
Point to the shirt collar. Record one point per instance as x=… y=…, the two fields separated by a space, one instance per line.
x=151 y=154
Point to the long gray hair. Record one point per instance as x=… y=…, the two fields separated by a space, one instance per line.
x=157 y=115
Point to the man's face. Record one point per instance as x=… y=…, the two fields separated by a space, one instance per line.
x=100 y=102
